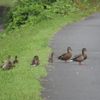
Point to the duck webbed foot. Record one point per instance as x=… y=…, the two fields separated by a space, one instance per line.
x=66 y=61
x=80 y=63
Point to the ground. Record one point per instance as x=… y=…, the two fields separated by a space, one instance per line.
x=3 y=10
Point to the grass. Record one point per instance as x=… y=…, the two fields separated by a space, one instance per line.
x=6 y=2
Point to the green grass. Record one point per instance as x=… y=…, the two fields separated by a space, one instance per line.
x=7 y=2
x=23 y=82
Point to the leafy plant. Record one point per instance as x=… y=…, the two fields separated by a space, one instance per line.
x=28 y=11
x=64 y=7
x=34 y=11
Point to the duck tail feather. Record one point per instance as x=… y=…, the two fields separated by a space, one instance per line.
x=59 y=57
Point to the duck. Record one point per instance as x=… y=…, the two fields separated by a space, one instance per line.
x=80 y=57
x=7 y=63
x=35 y=61
x=15 y=60
x=66 y=56
x=51 y=58
x=1 y=65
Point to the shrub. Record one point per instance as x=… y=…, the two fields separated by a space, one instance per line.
x=33 y=11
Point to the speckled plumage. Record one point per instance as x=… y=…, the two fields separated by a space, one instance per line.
x=51 y=58
x=35 y=61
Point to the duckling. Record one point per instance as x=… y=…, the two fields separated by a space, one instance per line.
x=66 y=56
x=7 y=63
x=81 y=57
x=51 y=58
x=15 y=60
x=35 y=61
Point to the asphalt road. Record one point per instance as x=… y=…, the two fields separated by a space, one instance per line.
x=70 y=81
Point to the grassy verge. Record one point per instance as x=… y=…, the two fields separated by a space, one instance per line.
x=23 y=82
x=6 y=2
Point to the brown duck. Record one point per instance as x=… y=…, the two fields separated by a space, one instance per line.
x=35 y=61
x=15 y=60
x=66 y=56
x=7 y=63
x=81 y=57
x=51 y=58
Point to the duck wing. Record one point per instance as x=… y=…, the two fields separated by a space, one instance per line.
x=15 y=61
x=65 y=56
x=32 y=62
x=7 y=65
x=37 y=62
x=79 y=58
x=50 y=60
x=62 y=56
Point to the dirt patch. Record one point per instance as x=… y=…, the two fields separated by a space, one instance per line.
x=3 y=10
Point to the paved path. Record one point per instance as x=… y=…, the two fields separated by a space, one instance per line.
x=70 y=81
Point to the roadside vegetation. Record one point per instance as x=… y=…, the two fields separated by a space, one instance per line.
x=29 y=28
x=6 y=2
